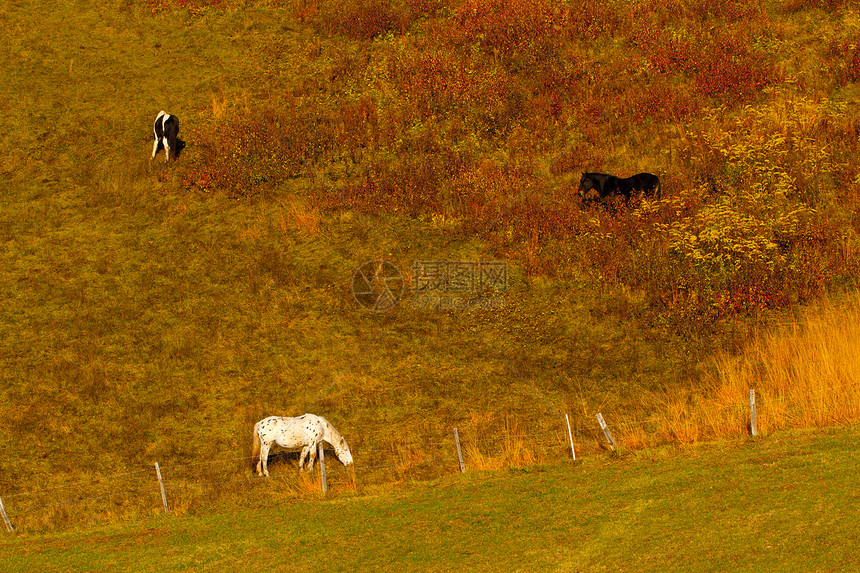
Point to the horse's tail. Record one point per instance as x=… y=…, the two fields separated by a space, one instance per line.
x=255 y=449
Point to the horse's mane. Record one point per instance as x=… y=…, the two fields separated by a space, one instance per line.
x=330 y=431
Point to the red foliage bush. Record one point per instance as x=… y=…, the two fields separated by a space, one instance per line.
x=854 y=66
x=728 y=70
x=722 y=67
x=793 y=6
x=521 y=33
x=744 y=11
x=365 y=19
x=666 y=53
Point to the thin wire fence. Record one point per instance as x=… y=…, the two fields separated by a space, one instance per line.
x=188 y=486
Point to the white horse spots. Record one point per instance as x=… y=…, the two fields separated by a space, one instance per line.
x=304 y=432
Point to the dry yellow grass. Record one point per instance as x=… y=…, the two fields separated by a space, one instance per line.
x=294 y=213
x=805 y=374
x=511 y=447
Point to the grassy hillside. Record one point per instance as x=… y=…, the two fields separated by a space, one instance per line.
x=154 y=312
x=748 y=507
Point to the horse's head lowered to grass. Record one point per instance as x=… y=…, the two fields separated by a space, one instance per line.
x=304 y=432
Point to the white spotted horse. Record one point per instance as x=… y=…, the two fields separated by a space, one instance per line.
x=304 y=432
x=604 y=188
x=166 y=129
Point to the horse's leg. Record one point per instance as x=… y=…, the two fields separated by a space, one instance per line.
x=304 y=456
x=260 y=462
x=313 y=456
x=173 y=146
x=155 y=148
x=264 y=459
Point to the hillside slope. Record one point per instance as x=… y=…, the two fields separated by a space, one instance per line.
x=154 y=312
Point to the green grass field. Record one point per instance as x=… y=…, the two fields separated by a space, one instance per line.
x=786 y=503
x=152 y=312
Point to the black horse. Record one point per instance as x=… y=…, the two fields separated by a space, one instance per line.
x=604 y=188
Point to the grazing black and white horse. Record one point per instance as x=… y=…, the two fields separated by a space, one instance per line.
x=166 y=129
x=604 y=188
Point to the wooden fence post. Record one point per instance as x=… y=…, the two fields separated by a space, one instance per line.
x=323 y=480
x=753 y=425
x=605 y=429
x=570 y=436
x=161 y=485
x=459 y=451
x=8 y=523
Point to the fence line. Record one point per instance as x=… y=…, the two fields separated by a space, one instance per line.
x=165 y=486
x=83 y=499
x=74 y=483
x=460 y=447
x=210 y=462
x=200 y=484
x=168 y=486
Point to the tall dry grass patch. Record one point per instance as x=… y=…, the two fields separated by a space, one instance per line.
x=805 y=374
x=500 y=443
x=294 y=212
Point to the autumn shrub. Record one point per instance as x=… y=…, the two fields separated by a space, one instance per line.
x=770 y=153
x=193 y=6
x=439 y=82
x=843 y=58
x=590 y=20
x=529 y=43
x=793 y=6
x=730 y=71
x=752 y=237
x=521 y=33
x=667 y=51
x=365 y=19
x=854 y=65
x=719 y=65
x=267 y=145
x=663 y=101
x=358 y=125
x=746 y=11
